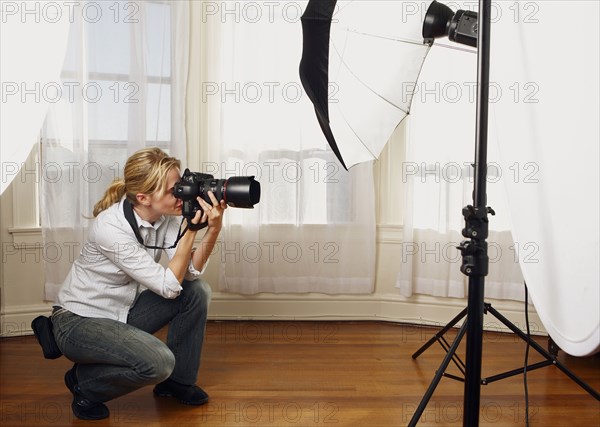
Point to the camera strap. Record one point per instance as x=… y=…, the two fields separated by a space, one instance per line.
x=128 y=211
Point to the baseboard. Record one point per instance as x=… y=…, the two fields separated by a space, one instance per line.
x=418 y=310
x=16 y=321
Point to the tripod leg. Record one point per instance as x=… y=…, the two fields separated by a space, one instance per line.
x=542 y=351
x=438 y=376
x=437 y=336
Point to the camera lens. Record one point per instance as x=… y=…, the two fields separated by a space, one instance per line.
x=241 y=191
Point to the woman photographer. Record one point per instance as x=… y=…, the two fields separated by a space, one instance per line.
x=117 y=294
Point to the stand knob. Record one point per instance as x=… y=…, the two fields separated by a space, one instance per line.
x=475 y=260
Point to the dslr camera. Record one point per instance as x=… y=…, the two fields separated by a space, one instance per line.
x=237 y=191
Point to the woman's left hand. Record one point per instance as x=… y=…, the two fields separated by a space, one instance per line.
x=213 y=214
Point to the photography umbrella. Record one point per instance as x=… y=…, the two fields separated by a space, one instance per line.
x=368 y=66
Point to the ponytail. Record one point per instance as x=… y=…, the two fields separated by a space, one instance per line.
x=145 y=172
x=112 y=195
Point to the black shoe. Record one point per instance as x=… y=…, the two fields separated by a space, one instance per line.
x=83 y=408
x=188 y=394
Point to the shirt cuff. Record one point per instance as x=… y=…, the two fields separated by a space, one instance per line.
x=192 y=273
x=171 y=286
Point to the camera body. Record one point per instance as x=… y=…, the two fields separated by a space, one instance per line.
x=237 y=191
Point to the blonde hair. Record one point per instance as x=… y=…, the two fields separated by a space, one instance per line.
x=145 y=172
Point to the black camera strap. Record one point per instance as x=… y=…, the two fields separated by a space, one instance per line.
x=128 y=211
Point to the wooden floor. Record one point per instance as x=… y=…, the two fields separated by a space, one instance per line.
x=313 y=374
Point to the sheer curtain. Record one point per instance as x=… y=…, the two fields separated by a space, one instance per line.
x=122 y=88
x=314 y=228
x=439 y=182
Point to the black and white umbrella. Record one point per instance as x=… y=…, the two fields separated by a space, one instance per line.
x=371 y=65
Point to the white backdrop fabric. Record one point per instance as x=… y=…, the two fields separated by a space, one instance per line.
x=26 y=42
x=552 y=125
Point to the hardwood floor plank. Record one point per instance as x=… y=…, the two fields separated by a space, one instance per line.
x=288 y=374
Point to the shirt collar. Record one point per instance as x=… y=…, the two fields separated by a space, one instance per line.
x=142 y=222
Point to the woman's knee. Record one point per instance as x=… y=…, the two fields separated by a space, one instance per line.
x=199 y=290
x=156 y=364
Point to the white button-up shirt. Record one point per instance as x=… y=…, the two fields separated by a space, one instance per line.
x=113 y=268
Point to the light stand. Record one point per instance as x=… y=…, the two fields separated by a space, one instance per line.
x=475 y=260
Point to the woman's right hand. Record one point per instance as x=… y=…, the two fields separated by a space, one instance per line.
x=199 y=217
x=213 y=213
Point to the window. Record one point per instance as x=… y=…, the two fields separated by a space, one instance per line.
x=114 y=96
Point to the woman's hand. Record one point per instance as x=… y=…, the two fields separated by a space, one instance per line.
x=213 y=214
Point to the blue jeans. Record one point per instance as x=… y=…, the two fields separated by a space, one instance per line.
x=114 y=358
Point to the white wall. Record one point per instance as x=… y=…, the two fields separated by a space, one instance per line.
x=21 y=268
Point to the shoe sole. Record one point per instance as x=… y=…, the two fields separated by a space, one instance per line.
x=185 y=402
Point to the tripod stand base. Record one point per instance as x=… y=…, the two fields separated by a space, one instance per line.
x=550 y=356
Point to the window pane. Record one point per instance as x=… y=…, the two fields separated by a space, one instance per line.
x=279 y=188
x=158 y=112
x=158 y=32
x=108 y=105
x=314 y=198
x=108 y=39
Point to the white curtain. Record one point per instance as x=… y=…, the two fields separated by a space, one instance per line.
x=314 y=228
x=439 y=182
x=122 y=88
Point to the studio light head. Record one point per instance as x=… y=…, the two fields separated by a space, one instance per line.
x=440 y=21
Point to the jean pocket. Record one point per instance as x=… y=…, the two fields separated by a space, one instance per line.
x=57 y=312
